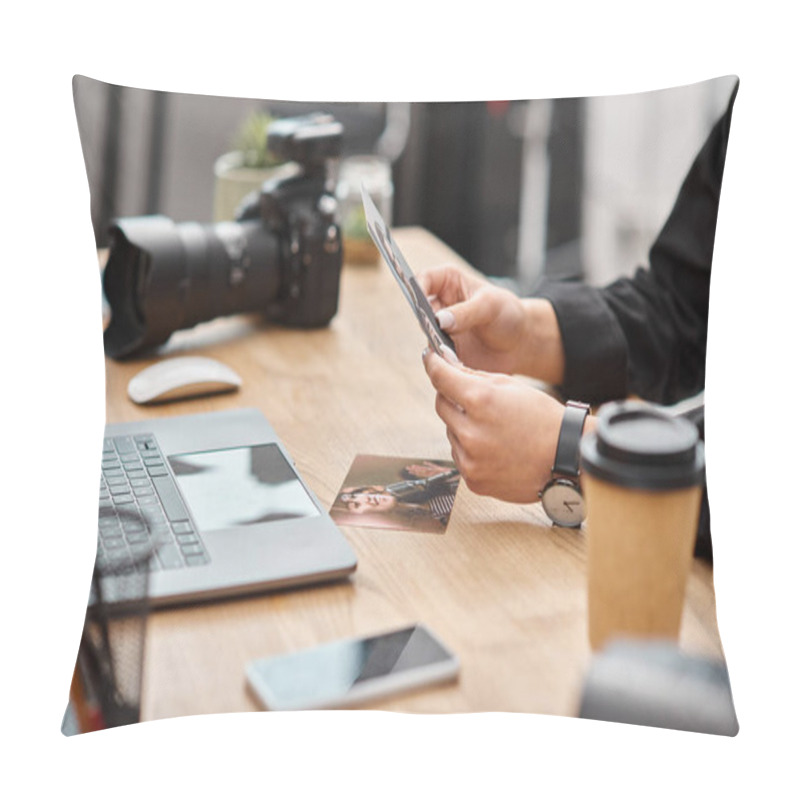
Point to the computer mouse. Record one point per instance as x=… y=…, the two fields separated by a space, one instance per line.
x=181 y=378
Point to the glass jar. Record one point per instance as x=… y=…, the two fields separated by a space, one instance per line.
x=375 y=172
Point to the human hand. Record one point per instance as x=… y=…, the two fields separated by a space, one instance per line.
x=503 y=433
x=484 y=321
x=493 y=329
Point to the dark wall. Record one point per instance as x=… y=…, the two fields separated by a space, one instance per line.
x=565 y=188
x=464 y=182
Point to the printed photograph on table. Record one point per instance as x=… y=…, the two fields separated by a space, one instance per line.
x=397 y=493
x=257 y=259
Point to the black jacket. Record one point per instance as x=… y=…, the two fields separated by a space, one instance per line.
x=646 y=335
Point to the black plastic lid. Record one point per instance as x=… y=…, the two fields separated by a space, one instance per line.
x=640 y=446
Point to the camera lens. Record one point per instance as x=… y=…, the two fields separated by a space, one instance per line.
x=162 y=277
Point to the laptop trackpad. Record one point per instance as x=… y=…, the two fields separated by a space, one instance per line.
x=240 y=486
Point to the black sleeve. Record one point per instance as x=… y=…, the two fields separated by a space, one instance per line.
x=646 y=335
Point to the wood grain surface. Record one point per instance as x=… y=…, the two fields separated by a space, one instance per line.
x=502 y=587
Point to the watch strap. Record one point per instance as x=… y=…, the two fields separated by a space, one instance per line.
x=568 y=453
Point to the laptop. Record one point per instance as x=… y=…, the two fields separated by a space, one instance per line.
x=212 y=506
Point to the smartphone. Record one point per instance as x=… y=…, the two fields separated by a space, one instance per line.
x=380 y=234
x=351 y=671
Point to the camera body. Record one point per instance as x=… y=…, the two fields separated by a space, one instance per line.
x=281 y=257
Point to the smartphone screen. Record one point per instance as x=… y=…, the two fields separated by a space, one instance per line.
x=380 y=234
x=350 y=670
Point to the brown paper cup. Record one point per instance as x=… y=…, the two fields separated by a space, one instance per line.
x=640 y=553
x=642 y=479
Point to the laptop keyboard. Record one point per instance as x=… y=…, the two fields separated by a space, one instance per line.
x=142 y=511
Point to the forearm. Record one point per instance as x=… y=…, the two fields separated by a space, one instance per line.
x=593 y=357
x=571 y=340
x=540 y=353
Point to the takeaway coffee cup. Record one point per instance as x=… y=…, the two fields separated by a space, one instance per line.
x=643 y=471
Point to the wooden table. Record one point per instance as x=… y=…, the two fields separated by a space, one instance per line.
x=502 y=587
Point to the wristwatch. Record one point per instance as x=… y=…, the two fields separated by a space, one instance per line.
x=561 y=497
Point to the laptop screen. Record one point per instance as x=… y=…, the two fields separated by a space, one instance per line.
x=240 y=486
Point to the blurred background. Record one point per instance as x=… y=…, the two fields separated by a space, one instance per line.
x=572 y=189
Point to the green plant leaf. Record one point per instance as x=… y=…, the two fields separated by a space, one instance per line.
x=251 y=141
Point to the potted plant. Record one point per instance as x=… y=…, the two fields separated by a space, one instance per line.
x=246 y=167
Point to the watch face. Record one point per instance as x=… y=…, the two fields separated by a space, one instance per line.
x=563 y=503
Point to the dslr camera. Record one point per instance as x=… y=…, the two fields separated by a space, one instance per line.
x=281 y=257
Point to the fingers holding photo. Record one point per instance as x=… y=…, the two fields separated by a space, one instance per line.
x=486 y=322
x=446 y=285
x=452 y=380
x=503 y=432
x=453 y=295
